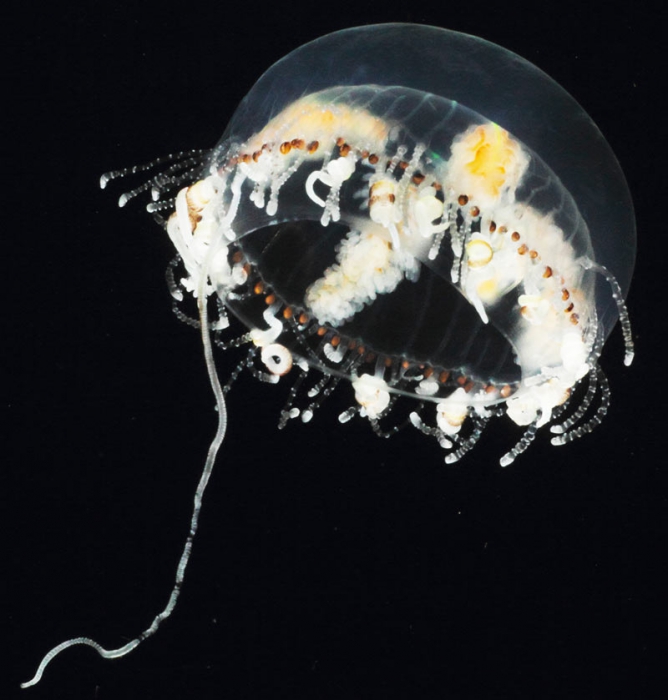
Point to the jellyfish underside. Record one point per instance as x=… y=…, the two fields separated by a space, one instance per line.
x=382 y=235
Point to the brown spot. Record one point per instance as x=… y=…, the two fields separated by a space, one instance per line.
x=321 y=331
x=503 y=229
x=287 y=312
x=270 y=299
x=257 y=155
x=285 y=147
x=258 y=288
x=428 y=372
x=381 y=198
x=533 y=254
x=569 y=308
x=387 y=362
x=436 y=185
x=548 y=272
x=364 y=154
x=565 y=295
x=523 y=311
x=461 y=380
x=506 y=391
x=462 y=200
x=303 y=318
x=373 y=159
x=444 y=376
x=403 y=164
x=417 y=178
x=237 y=257
x=515 y=236
x=574 y=319
x=469 y=385
x=335 y=341
x=490 y=389
x=523 y=249
x=297 y=143
x=492 y=227
x=361 y=350
x=344 y=150
x=340 y=141
x=312 y=147
x=245 y=158
x=474 y=212
x=405 y=364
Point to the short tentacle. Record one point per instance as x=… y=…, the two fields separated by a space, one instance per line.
x=522 y=444
x=602 y=381
x=618 y=298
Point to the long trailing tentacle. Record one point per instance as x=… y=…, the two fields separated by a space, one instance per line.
x=187 y=548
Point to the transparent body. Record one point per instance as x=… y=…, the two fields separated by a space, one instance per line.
x=455 y=331
x=443 y=233
x=486 y=78
x=417 y=213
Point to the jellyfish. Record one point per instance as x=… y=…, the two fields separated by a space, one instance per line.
x=415 y=216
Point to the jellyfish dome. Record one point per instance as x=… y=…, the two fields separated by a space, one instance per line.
x=446 y=234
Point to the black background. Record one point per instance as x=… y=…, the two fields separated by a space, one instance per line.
x=330 y=564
